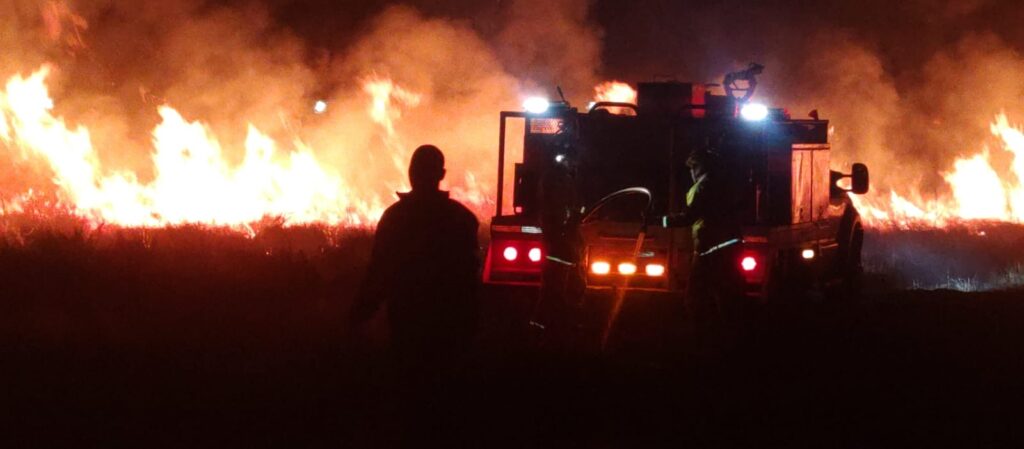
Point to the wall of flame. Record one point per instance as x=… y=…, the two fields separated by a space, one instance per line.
x=158 y=114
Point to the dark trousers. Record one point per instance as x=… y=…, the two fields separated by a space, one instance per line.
x=714 y=299
x=554 y=313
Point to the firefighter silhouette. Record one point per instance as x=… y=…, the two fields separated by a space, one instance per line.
x=424 y=267
x=711 y=210
x=561 y=283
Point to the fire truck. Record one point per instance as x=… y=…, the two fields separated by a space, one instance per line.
x=575 y=188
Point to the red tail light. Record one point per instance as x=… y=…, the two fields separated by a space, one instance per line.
x=510 y=253
x=514 y=257
x=534 y=254
x=748 y=263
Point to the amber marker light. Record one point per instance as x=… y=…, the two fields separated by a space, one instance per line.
x=600 y=267
x=627 y=268
x=654 y=269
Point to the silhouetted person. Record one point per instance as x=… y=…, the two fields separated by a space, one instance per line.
x=561 y=285
x=424 y=268
x=712 y=213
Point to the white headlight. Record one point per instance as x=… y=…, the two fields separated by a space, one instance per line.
x=536 y=105
x=754 y=112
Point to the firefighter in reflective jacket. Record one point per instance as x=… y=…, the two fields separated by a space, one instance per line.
x=712 y=212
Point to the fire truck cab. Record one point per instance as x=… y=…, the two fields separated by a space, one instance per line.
x=581 y=184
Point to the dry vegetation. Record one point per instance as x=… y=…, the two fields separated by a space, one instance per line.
x=964 y=258
x=63 y=279
x=195 y=336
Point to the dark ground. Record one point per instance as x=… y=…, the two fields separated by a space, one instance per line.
x=189 y=338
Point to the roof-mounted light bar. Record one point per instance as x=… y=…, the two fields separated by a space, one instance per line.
x=754 y=112
x=536 y=105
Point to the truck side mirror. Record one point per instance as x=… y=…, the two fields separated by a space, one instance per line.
x=859 y=180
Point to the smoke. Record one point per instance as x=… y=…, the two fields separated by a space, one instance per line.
x=548 y=43
x=225 y=67
x=461 y=86
x=962 y=88
x=910 y=85
x=847 y=83
x=229 y=65
x=918 y=122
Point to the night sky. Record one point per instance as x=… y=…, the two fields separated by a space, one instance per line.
x=692 y=38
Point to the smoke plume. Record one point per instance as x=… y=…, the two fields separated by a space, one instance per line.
x=403 y=76
x=912 y=85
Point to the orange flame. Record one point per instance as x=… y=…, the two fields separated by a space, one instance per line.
x=978 y=191
x=616 y=92
x=193 y=182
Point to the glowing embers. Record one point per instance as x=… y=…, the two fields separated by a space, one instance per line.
x=604 y=267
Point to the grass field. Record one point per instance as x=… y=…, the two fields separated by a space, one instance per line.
x=192 y=337
x=966 y=258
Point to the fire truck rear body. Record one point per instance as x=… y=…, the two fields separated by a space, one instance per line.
x=798 y=226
